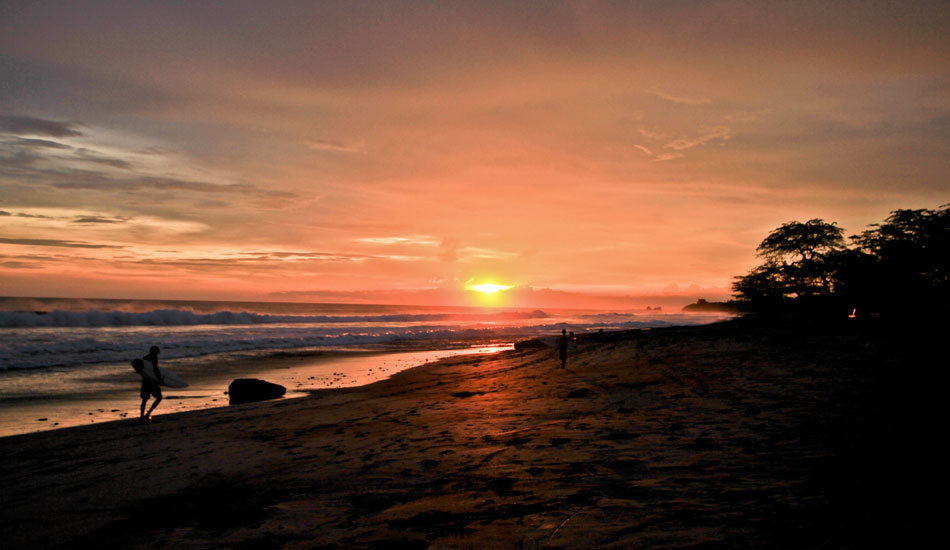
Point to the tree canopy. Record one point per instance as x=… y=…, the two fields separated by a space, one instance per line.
x=802 y=242
x=796 y=262
x=897 y=265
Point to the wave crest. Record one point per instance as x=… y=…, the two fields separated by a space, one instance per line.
x=183 y=317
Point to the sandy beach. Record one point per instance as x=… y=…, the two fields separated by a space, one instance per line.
x=77 y=397
x=749 y=433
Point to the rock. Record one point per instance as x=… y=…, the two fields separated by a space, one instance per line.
x=248 y=390
x=581 y=393
x=464 y=394
x=534 y=343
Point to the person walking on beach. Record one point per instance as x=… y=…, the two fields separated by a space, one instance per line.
x=562 y=342
x=150 y=387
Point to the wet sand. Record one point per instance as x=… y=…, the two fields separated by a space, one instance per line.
x=77 y=397
x=751 y=433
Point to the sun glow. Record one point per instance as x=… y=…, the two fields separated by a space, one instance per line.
x=486 y=294
x=487 y=288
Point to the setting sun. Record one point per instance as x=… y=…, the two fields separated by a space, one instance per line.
x=486 y=294
x=487 y=288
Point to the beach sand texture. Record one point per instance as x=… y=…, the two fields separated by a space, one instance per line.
x=739 y=434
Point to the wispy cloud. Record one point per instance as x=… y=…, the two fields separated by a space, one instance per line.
x=473 y=253
x=682 y=100
x=709 y=134
x=153 y=183
x=423 y=240
x=55 y=243
x=24 y=125
x=330 y=146
x=98 y=220
x=34 y=142
x=97 y=158
x=37 y=222
x=663 y=157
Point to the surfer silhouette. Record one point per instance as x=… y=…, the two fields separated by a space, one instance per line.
x=562 y=342
x=150 y=387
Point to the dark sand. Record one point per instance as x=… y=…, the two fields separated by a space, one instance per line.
x=744 y=434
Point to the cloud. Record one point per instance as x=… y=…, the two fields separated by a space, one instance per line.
x=98 y=219
x=332 y=146
x=98 y=182
x=34 y=216
x=645 y=150
x=40 y=143
x=24 y=125
x=265 y=259
x=423 y=240
x=94 y=157
x=710 y=134
x=55 y=242
x=649 y=133
x=473 y=252
x=682 y=100
x=14 y=264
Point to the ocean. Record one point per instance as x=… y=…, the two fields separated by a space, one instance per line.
x=38 y=333
x=55 y=350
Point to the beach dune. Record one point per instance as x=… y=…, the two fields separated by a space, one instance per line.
x=738 y=434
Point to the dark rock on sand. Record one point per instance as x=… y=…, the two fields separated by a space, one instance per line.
x=534 y=343
x=249 y=390
x=464 y=394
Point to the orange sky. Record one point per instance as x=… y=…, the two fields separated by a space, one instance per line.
x=592 y=153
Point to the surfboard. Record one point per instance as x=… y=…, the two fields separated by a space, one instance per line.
x=147 y=370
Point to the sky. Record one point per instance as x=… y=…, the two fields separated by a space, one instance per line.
x=602 y=154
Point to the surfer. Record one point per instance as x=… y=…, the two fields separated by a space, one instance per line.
x=562 y=342
x=150 y=387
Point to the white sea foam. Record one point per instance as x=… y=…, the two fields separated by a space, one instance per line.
x=118 y=331
x=183 y=317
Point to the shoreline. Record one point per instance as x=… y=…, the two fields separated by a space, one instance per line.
x=748 y=433
x=301 y=374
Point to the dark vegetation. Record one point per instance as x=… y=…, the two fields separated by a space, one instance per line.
x=899 y=268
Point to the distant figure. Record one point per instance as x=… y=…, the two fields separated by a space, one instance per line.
x=562 y=342
x=149 y=387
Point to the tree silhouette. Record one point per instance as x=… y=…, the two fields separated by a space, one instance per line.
x=912 y=253
x=896 y=267
x=796 y=262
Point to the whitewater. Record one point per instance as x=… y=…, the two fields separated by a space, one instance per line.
x=37 y=333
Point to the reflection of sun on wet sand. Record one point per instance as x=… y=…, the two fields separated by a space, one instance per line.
x=743 y=434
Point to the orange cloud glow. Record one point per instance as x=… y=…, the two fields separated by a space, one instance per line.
x=584 y=153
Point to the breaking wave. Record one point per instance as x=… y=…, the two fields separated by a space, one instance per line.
x=183 y=317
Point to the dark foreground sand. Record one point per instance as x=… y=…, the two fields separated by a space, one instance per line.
x=753 y=433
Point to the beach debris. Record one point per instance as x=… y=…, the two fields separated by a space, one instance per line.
x=249 y=390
